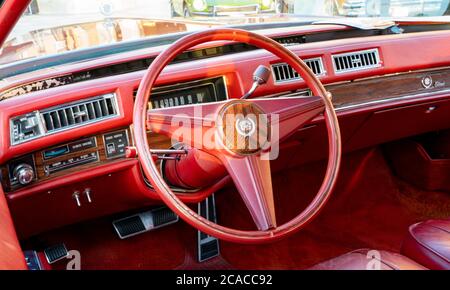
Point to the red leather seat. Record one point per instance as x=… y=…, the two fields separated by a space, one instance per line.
x=366 y=259
x=428 y=243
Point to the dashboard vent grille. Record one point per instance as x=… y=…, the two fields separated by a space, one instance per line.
x=80 y=113
x=356 y=61
x=283 y=72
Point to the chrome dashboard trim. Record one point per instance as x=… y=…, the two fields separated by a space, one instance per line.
x=323 y=71
x=45 y=132
x=355 y=69
x=42 y=129
x=79 y=103
x=181 y=89
x=190 y=84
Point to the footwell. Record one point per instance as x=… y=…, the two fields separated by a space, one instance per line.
x=370 y=208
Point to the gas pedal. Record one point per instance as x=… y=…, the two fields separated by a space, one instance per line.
x=208 y=247
x=144 y=222
x=55 y=253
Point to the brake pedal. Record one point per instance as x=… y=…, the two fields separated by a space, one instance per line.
x=56 y=253
x=144 y=222
x=208 y=247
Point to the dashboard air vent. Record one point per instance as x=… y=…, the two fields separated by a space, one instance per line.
x=356 y=61
x=283 y=72
x=80 y=113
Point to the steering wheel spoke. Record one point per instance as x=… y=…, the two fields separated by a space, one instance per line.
x=289 y=113
x=188 y=124
x=253 y=180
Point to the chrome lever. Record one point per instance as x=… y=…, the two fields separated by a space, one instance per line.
x=131 y=152
x=76 y=196
x=87 y=193
x=260 y=77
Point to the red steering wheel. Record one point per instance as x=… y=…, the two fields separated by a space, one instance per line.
x=250 y=173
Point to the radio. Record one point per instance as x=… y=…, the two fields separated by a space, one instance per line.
x=65 y=158
x=69 y=148
x=71 y=162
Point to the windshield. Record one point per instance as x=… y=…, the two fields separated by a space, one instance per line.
x=50 y=27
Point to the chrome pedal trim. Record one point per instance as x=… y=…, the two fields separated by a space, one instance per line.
x=143 y=222
x=56 y=253
x=207 y=246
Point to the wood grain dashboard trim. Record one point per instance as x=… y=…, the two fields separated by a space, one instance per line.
x=389 y=87
x=383 y=89
x=41 y=163
x=156 y=141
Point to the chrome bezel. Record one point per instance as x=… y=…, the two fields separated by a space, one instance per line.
x=322 y=73
x=104 y=143
x=343 y=71
x=43 y=130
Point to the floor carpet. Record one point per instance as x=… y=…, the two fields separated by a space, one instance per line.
x=370 y=208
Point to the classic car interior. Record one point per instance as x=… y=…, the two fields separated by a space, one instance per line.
x=361 y=170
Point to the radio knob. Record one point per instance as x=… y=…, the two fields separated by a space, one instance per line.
x=24 y=173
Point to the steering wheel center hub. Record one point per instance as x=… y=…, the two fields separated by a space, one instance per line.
x=243 y=127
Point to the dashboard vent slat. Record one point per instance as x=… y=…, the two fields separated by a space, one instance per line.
x=55 y=120
x=69 y=115
x=80 y=113
x=62 y=118
x=282 y=72
x=356 y=61
x=90 y=110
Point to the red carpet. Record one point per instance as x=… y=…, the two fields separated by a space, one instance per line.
x=370 y=208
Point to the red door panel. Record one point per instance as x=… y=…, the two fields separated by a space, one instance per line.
x=11 y=256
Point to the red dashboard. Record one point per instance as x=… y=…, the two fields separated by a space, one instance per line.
x=374 y=105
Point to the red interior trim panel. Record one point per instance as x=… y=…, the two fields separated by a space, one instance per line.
x=361 y=126
x=11 y=256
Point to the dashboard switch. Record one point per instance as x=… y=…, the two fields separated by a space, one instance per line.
x=26 y=127
x=111 y=148
x=115 y=144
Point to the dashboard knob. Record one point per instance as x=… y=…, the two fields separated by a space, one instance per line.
x=24 y=173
